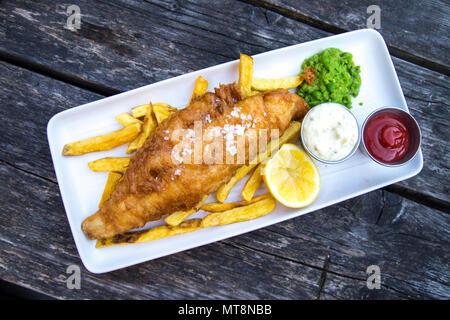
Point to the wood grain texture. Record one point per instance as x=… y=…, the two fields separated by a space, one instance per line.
x=121 y=53
x=285 y=261
x=37 y=248
x=414 y=30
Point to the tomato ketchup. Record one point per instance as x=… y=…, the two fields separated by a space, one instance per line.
x=386 y=137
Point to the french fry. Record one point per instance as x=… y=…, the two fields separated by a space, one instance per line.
x=201 y=85
x=150 y=234
x=113 y=179
x=147 y=128
x=162 y=111
x=110 y=164
x=273 y=84
x=244 y=213
x=104 y=142
x=175 y=218
x=291 y=132
x=140 y=111
x=219 y=207
x=245 y=74
x=126 y=119
x=252 y=183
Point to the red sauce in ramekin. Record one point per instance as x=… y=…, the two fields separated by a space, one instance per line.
x=386 y=137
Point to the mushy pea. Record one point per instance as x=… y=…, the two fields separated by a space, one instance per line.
x=337 y=78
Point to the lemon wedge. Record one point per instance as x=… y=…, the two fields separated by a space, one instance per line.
x=292 y=177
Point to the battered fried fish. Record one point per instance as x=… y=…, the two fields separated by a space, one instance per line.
x=166 y=174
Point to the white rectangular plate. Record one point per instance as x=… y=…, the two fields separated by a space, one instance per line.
x=81 y=188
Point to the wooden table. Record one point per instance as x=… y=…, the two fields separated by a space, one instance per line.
x=124 y=44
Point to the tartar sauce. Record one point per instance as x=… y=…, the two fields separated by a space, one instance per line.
x=330 y=131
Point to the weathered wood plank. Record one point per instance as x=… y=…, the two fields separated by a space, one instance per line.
x=427 y=94
x=122 y=54
x=142 y=52
x=414 y=30
x=284 y=261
